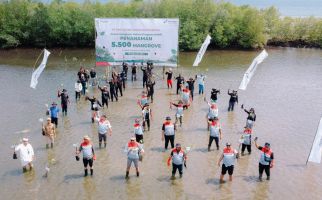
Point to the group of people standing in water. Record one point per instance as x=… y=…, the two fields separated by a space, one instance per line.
x=135 y=147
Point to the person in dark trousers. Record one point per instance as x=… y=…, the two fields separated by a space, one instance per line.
x=191 y=84
x=228 y=157
x=180 y=81
x=105 y=95
x=94 y=107
x=84 y=83
x=64 y=100
x=169 y=78
x=150 y=88
x=146 y=116
x=145 y=75
x=113 y=90
x=215 y=132
x=87 y=149
x=178 y=157
x=168 y=132
x=123 y=78
x=266 y=161
x=233 y=99
x=125 y=69
x=119 y=82
x=92 y=74
x=134 y=68
x=251 y=118
x=246 y=140
x=214 y=95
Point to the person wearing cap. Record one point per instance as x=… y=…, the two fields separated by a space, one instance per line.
x=104 y=127
x=26 y=153
x=186 y=97
x=266 y=160
x=191 y=86
x=105 y=95
x=54 y=113
x=50 y=133
x=246 y=140
x=134 y=150
x=215 y=132
x=146 y=116
x=178 y=157
x=228 y=157
x=212 y=111
x=138 y=131
x=168 y=132
x=251 y=118
x=232 y=100
x=87 y=149
x=201 y=83
x=169 y=78
x=179 y=113
x=64 y=98
x=94 y=106
x=78 y=89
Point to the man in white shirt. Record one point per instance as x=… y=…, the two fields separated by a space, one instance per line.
x=104 y=127
x=26 y=154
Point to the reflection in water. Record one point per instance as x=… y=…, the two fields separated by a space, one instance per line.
x=287 y=79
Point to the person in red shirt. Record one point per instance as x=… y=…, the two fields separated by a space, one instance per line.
x=266 y=160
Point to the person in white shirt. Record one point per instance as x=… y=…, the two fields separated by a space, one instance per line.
x=26 y=154
x=78 y=89
x=104 y=127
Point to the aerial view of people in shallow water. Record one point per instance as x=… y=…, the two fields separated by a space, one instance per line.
x=161 y=146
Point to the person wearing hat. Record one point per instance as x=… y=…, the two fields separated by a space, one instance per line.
x=78 y=89
x=54 y=113
x=134 y=150
x=87 y=149
x=142 y=99
x=232 y=100
x=266 y=160
x=146 y=116
x=179 y=113
x=138 y=130
x=215 y=132
x=178 y=157
x=228 y=157
x=169 y=78
x=105 y=95
x=251 y=118
x=168 y=132
x=104 y=127
x=64 y=98
x=26 y=153
x=50 y=133
x=191 y=86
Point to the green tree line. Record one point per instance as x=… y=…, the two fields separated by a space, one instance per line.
x=26 y=23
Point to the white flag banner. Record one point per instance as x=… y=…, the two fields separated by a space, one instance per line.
x=251 y=70
x=202 y=51
x=316 y=151
x=35 y=75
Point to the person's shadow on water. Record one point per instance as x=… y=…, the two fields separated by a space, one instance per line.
x=70 y=177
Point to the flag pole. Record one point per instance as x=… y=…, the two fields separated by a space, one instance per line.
x=313 y=142
x=37 y=59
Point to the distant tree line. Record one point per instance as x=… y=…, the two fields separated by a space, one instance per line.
x=26 y=23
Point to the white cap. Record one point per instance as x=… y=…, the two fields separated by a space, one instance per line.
x=25 y=139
